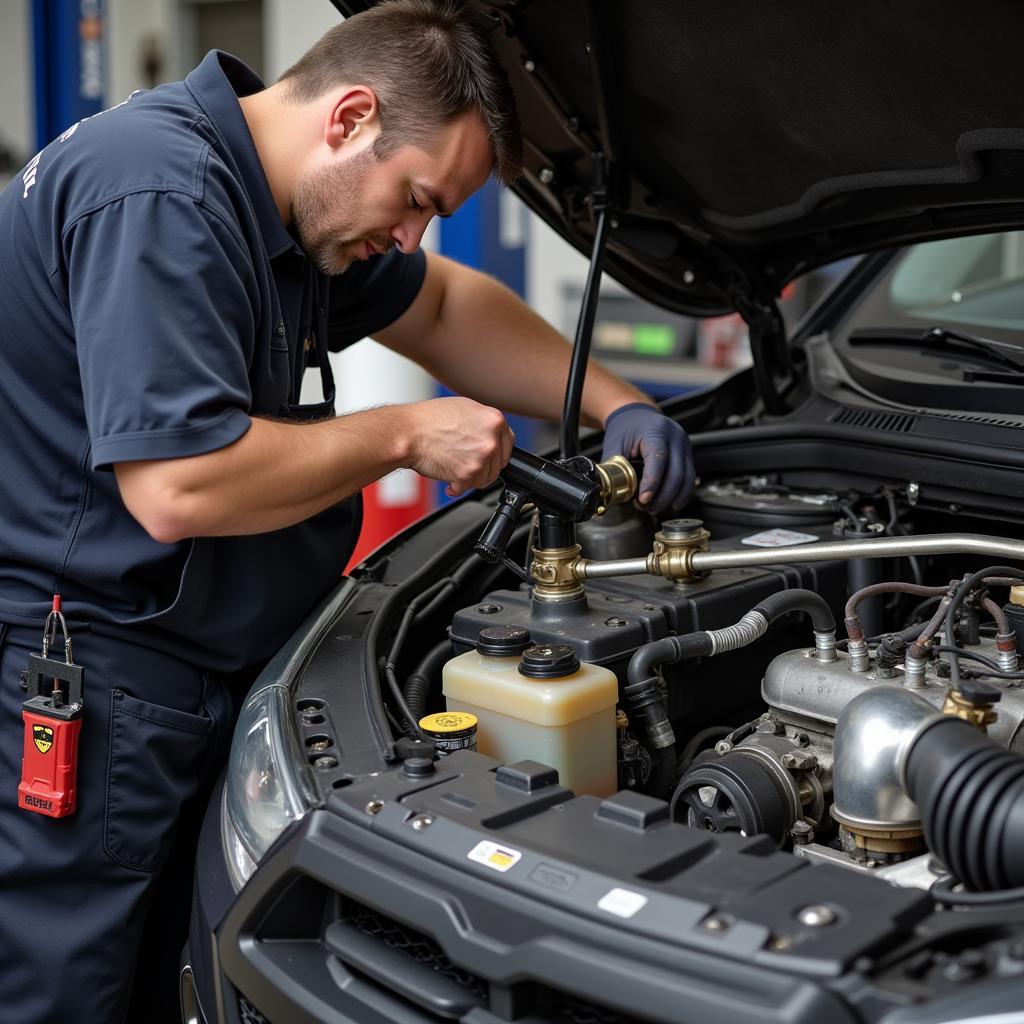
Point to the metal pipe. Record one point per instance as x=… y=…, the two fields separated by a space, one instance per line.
x=893 y=587
x=997 y=613
x=613 y=567
x=880 y=547
x=824 y=551
x=919 y=648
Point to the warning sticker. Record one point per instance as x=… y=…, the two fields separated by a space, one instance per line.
x=778 y=538
x=42 y=736
x=621 y=902
x=500 y=858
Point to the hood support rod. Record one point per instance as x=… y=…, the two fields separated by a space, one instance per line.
x=569 y=429
x=773 y=367
x=599 y=197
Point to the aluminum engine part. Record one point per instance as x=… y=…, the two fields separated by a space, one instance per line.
x=872 y=737
x=809 y=694
x=919 y=872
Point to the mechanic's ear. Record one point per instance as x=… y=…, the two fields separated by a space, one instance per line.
x=353 y=113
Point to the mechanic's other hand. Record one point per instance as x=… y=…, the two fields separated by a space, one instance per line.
x=638 y=430
x=460 y=442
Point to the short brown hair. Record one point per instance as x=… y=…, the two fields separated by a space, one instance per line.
x=428 y=64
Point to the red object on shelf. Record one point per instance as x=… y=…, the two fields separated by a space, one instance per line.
x=389 y=505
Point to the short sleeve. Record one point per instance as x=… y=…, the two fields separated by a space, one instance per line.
x=370 y=296
x=164 y=306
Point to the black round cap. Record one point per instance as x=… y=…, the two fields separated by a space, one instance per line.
x=407 y=746
x=548 y=661
x=977 y=691
x=503 y=641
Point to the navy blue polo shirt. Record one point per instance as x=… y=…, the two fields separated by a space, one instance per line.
x=151 y=302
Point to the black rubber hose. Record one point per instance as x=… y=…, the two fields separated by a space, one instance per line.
x=664 y=652
x=911 y=633
x=643 y=697
x=644 y=701
x=799 y=601
x=958 y=599
x=664 y=771
x=417 y=687
x=971 y=795
x=943 y=891
x=696 y=743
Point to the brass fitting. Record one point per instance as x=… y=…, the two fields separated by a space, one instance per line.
x=883 y=843
x=618 y=481
x=554 y=572
x=674 y=547
x=977 y=714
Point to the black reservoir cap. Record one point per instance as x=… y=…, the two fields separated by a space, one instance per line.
x=549 y=661
x=503 y=641
x=977 y=691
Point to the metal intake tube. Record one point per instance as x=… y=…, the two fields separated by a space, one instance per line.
x=878 y=547
x=873 y=735
x=899 y=764
x=699 y=563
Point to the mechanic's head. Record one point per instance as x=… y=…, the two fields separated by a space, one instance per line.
x=412 y=113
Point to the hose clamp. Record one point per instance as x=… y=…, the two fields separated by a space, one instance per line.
x=742 y=633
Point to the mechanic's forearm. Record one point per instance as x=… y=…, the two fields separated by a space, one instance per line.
x=499 y=351
x=275 y=475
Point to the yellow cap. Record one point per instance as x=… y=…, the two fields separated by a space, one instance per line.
x=1017 y=595
x=448 y=722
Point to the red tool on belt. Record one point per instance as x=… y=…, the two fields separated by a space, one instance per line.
x=53 y=720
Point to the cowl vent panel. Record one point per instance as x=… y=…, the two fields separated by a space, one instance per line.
x=874 y=419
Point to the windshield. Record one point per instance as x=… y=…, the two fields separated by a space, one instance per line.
x=976 y=283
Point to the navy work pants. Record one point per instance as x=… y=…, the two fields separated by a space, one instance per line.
x=74 y=891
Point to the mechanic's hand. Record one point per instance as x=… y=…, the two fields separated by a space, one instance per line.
x=638 y=430
x=460 y=442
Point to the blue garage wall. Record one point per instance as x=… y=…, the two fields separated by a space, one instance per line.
x=69 y=53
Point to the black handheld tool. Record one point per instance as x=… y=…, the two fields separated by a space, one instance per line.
x=570 y=489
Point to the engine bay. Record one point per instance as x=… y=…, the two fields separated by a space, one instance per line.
x=777 y=781
x=754 y=728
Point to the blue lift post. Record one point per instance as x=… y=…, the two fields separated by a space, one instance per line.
x=474 y=236
x=69 y=56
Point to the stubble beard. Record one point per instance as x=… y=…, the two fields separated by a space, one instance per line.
x=325 y=190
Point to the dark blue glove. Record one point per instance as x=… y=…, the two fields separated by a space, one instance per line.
x=638 y=430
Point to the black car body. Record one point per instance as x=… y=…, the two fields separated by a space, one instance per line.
x=706 y=156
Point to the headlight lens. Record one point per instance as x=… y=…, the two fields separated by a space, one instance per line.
x=262 y=792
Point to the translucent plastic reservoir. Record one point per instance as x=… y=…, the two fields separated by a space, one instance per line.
x=567 y=722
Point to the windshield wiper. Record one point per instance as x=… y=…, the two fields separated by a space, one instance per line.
x=945 y=336
x=942 y=337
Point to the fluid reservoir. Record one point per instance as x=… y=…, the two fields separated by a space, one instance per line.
x=539 y=704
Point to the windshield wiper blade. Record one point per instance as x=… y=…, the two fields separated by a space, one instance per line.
x=945 y=336
x=941 y=337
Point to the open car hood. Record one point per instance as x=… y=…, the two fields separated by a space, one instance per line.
x=749 y=143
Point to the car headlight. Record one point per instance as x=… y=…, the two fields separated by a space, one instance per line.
x=263 y=793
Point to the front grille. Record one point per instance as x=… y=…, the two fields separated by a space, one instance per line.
x=249 y=1013
x=567 y=1009
x=553 y=1006
x=413 y=944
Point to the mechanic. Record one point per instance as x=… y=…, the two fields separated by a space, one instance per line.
x=170 y=267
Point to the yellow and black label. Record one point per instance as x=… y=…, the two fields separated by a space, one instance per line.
x=448 y=722
x=451 y=730
x=42 y=736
